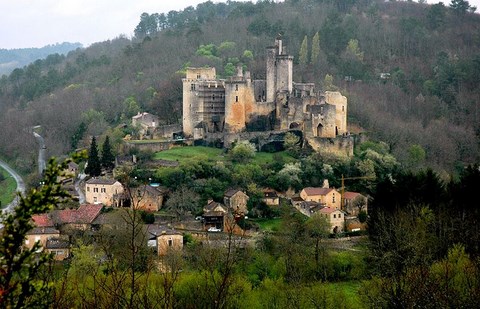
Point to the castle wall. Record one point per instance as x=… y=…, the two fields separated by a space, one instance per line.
x=339 y=146
x=271 y=73
x=340 y=102
x=284 y=72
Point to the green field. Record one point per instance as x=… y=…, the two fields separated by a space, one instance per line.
x=7 y=188
x=268 y=224
x=189 y=153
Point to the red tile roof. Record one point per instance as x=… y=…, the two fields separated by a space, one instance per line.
x=350 y=195
x=84 y=214
x=101 y=181
x=42 y=220
x=327 y=210
x=317 y=191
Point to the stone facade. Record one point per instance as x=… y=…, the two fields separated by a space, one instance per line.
x=238 y=104
x=103 y=191
x=326 y=196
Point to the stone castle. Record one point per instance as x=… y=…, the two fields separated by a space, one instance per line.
x=231 y=107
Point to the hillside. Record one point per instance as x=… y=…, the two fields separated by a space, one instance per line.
x=425 y=100
x=11 y=59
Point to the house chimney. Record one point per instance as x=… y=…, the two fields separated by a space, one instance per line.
x=325 y=184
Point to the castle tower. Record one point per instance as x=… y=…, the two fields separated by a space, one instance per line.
x=239 y=97
x=203 y=100
x=279 y=71
x=340 y=102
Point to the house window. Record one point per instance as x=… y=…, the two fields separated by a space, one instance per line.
x=170 y=242
x=236 y=98
x=334 y=216
x=339 y=216
x=198 y=75
x=95 y=190
x=88 y=189
x=103 y=190
x=95 y=199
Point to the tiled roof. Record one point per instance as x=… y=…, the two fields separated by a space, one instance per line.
x=101 y=181
x=158 y=230
x=270 y=193
x=351 y=195
x=42 y=220
x=317 y=191
x=57 y=243
x=231 y=192
x=84 y=214
x=212 y=205
x=327 y=210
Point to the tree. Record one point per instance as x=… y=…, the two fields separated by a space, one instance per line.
x=93 y=167
x=243 y=152
x=108 y=159
x=460 y=6
x=303 y=54
x=291 y=144
x=315 y=48
x=182 y=201
x=20 y=285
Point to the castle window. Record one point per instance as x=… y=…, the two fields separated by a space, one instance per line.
x=343 y=108
x=213 y=96
x=236 y=87
x=198 y=75
x=192 y=87
x=236 y=98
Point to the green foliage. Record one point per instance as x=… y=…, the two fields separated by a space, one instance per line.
x=230 y=69
x=93 y=167
x=20 y=283
x=303 y=53
x=108 y=159
x=242 y=152
x=315 y=49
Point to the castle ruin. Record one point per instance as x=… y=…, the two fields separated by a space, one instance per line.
x=230 y=107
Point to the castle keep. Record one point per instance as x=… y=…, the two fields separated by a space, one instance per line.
x=239 y=104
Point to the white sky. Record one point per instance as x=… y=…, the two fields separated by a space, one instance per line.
x=36 y=23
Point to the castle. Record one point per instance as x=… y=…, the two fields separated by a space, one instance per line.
x=236 y=105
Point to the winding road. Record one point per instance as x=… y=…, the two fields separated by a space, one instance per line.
x=20 y=185
x=41 y=153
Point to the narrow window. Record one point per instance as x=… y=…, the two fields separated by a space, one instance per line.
x=343 y=108
x=236 y=87
x=198 y=75
x=88 y=189
x=334 y=216
x=236 y=98
x=170 y=242
x=192 y=87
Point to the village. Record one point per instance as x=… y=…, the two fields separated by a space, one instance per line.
x=216 y=109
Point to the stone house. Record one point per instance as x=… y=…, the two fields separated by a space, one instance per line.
x=81 y=218
x=59 y=247
x=164 y=239
x=103 y=191
x=40 y=234
x=146 y=122
x=327 y=196
x=354 y=202
x=214 y=215
x=335 y=217
x=148 y=198
x=236 y=201
x=270 y=197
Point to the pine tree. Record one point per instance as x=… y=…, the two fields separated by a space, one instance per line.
x=315 y=49
x=93 y=164
x=303 y=54
x=108 y=159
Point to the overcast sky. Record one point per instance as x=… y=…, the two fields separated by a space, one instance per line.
x=36 y=23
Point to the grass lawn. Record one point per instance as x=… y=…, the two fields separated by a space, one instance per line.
x=7 y=188
x=268 y=224
x=350 y=290
x=188 y=153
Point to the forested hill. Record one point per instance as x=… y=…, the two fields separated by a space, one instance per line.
x=11 y=59
x=411 y=73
